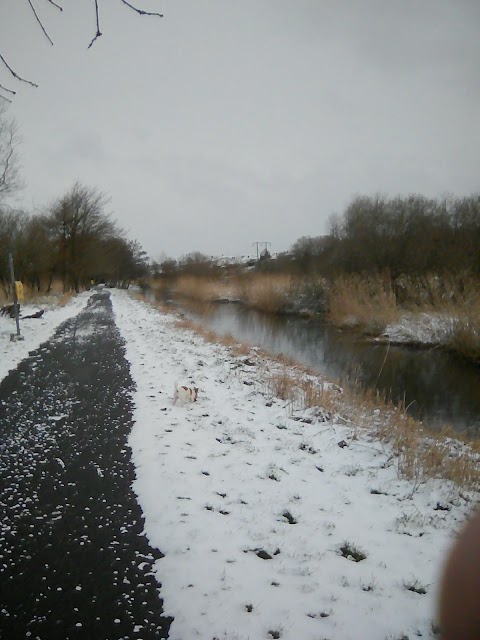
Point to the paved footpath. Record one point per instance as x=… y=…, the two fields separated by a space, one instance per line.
x=74 y=562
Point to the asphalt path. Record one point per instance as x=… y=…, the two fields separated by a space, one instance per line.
x=74 y=562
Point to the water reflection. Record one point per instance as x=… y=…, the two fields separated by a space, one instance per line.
x=436 y=386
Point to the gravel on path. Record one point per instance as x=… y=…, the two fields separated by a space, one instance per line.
x=74 y=561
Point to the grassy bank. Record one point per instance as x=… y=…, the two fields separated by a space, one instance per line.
x=430 y=311
x=416 y=454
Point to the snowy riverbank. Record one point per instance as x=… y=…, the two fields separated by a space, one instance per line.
x=427 y=329
x=255 y=510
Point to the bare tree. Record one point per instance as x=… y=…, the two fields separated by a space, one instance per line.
x=117 y=261
x=310 y=254
x=76 y=224
x=406 y=235
x=12 y=226
x=7 y=91
x=9 y=167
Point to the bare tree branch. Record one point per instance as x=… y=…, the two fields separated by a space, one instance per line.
x=140 y=11
x=99 y=33
x=15 y=75
x=6 y=167
x=55 y=4
x=40 y=22
x=7 y=90
x=5 y=98
x=9 y=168
x=96 y=36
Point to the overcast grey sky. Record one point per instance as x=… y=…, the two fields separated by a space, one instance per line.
x=228 y=122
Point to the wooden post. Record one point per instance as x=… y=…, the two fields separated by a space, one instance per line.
x=15 y=301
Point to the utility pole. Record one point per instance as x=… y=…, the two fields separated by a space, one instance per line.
x=14 y=337
x=265 y=246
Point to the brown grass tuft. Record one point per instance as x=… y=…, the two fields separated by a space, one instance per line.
x=203 y=288
x=282 y=385
x=268 y=292
x=367 y=303
x=465 y=337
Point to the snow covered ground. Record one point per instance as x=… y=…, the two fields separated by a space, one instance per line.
x=421 y=328
x=34 y=331
x=254 y=510
x=260 y=516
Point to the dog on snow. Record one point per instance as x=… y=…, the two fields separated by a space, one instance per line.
x=185 y=394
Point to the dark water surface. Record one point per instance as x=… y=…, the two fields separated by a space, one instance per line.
x=438 y=387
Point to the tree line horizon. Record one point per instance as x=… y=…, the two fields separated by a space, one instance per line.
x=410 y=235
x=75 y=240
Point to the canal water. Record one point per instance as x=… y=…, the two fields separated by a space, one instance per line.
x=437 y=387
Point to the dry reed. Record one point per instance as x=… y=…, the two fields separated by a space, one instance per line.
x=268 y=292
x=366 y=303
x=417 y=454
x=203 y=288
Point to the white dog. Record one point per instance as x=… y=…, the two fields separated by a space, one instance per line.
x=185 y=394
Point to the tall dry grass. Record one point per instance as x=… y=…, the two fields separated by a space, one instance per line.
x=433 y=292
x=268 y=292
x=159 y=285
x=367 y=303
x=465 y=337
x=450 y=306
x=416 y=453
x=204 y=288
x=455 y=298
x=31 y=295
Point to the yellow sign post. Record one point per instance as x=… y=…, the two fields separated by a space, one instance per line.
x=19 y=290
x=13 y=282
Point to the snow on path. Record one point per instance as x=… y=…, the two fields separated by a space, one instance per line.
x=251 y=507
x=34 y=331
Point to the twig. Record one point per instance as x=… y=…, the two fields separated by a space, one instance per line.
x=383 y=364
x=409 y=405
x=99 y=33
x=15 y=75
x=140 y=11
x=96 y=36
x=6 y=162
x=55 y=4
x=40 y=22
x=7 y=90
